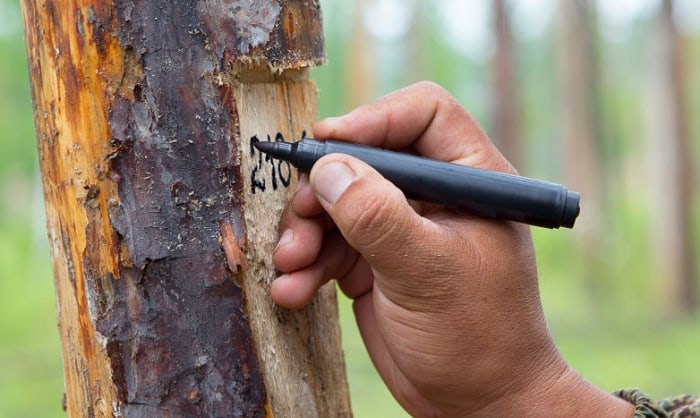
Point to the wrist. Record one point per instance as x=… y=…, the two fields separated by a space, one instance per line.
x=562 y=393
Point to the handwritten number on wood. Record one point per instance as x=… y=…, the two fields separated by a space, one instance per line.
x=265 y=167
x=283 y=167
x=257 y=176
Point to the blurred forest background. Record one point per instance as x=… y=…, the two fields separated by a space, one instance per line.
x=598 y=95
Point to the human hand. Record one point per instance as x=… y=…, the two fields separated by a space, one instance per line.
x=447 y=303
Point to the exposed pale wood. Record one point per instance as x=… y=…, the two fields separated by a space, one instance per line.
x=299 y=350
x=161 y=253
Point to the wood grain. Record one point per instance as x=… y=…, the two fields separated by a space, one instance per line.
x=301 y=351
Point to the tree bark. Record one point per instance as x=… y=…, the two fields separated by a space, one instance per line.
x=162 y=216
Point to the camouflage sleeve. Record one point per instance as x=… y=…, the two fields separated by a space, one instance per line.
x=685 y=406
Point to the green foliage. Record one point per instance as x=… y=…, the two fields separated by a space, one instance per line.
x=30 y=354
x=17 y=129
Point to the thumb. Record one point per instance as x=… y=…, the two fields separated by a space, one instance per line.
x=371 y=213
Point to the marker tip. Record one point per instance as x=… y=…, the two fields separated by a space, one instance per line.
x=265 y=146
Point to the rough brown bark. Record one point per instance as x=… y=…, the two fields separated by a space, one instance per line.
x=161 y=215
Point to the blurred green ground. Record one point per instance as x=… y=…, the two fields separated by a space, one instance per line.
x=601 y=312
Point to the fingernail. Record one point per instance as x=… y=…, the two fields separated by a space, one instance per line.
x=286 y=238
x=331 y=180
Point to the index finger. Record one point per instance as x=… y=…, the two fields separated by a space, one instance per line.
x=423 y=116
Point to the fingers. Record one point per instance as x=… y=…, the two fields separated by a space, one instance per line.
x=375 y=217
x=310 y=252
x=296 y=288
x=358 y=282
x=304 y=202
x=368 y=210
x=423 y=116
x=301 y=228
x=301 y=231
x=372 y=215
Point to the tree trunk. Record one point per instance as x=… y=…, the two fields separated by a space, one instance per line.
x=672 y=242
x=578 y=86
x=506 y=105
x=361 y=67
x=161 y=214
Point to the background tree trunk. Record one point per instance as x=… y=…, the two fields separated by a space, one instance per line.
x=506 y=100
x=670 y=164
x=161 y=214
x=578 y=86
x=580 y=132
x=360 y=59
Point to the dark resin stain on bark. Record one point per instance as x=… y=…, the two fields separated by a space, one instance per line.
x=177 y=316
x=178 y=179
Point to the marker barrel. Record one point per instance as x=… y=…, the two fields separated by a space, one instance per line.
x=481 y=192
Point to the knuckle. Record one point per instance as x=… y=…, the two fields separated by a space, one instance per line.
x=286 y=219
x=437 y=92
x=431 y=87
x=375 y=224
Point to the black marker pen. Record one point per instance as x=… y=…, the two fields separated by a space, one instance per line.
x=481 y=192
